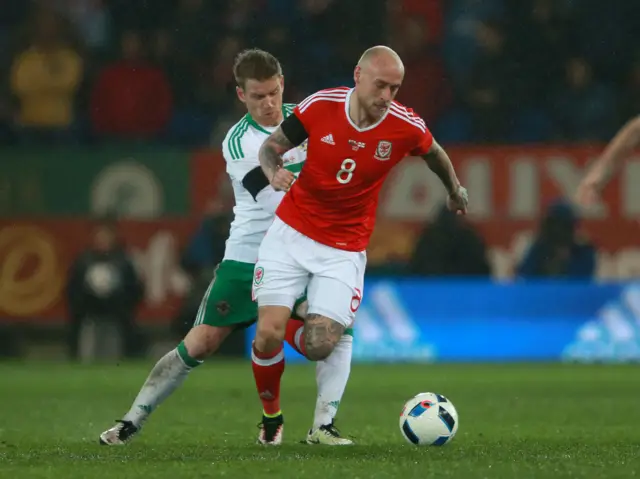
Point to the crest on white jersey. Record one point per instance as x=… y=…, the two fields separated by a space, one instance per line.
x=383 y=151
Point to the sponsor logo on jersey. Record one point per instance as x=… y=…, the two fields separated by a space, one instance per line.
x=383 y=151
x=328 y=139
x=356 y=145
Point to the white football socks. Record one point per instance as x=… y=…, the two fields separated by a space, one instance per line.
x=165 y=377
x=332 y=376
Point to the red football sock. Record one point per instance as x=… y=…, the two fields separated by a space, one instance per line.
x=267 y=371
x=293 y=335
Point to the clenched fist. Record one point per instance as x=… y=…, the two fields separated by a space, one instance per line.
x=282 y=179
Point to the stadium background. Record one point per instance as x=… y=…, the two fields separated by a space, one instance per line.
x=115 y=109
x=523 y=97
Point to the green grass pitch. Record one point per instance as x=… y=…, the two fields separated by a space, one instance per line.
x=516 y=421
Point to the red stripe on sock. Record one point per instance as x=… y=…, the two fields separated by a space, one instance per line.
x=268 y=380
x=293 y=326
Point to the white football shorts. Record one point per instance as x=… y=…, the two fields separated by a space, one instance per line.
x=290 y=263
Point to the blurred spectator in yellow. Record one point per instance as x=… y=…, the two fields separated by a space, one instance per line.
x=45 y=79
x=132 y=98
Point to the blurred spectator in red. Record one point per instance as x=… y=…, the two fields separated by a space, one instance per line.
x=425 y=87
x=132 y=98
x=45 y=79
x=584 y=108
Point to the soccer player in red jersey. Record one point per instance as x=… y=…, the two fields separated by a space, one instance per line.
x=318 y=239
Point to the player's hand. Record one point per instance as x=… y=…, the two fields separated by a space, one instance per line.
x=458 y=201
x=590 y=186
x=282 y=179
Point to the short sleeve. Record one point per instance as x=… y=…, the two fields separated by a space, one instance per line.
x=305 y=115
x=309 y=110
x=422 y=137
x=241 y=156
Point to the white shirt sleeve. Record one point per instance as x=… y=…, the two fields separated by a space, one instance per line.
x=238 y=167
x=269 y=199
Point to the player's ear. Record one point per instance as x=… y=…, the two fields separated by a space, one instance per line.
x=240 y=93
x=282 y=82
x=356 y=74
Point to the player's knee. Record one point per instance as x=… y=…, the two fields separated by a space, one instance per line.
x=317 y=351
x=204 y=340
x=321 y=336
x=272 y=323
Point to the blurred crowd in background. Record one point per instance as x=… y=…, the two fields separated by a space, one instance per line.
x=478 y=71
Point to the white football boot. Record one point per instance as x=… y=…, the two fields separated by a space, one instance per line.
x=327 y=435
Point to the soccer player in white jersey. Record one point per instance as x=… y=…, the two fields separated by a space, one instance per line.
x=227 y=304
x=620 y=147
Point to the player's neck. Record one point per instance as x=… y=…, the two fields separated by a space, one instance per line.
x=267 y=124
x=358 y=114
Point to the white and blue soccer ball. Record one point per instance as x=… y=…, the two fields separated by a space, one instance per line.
x=428 y=419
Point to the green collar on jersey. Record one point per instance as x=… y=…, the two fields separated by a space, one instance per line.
x=287 y=109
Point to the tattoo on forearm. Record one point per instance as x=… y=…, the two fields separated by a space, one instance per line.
x=438 y=161
x=271 y=151
x=321 y=332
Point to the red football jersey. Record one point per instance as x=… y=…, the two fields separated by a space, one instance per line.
x=335 y=198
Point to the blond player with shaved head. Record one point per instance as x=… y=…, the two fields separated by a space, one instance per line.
x=317 y=242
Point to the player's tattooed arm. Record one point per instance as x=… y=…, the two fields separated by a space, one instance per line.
x=271 y=151
x=270 y=157
x=439 y=162
x=321 y=334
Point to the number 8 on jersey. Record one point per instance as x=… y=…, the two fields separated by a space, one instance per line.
x=346 y=171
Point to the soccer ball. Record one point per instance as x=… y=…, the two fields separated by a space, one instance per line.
x=428 y=419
